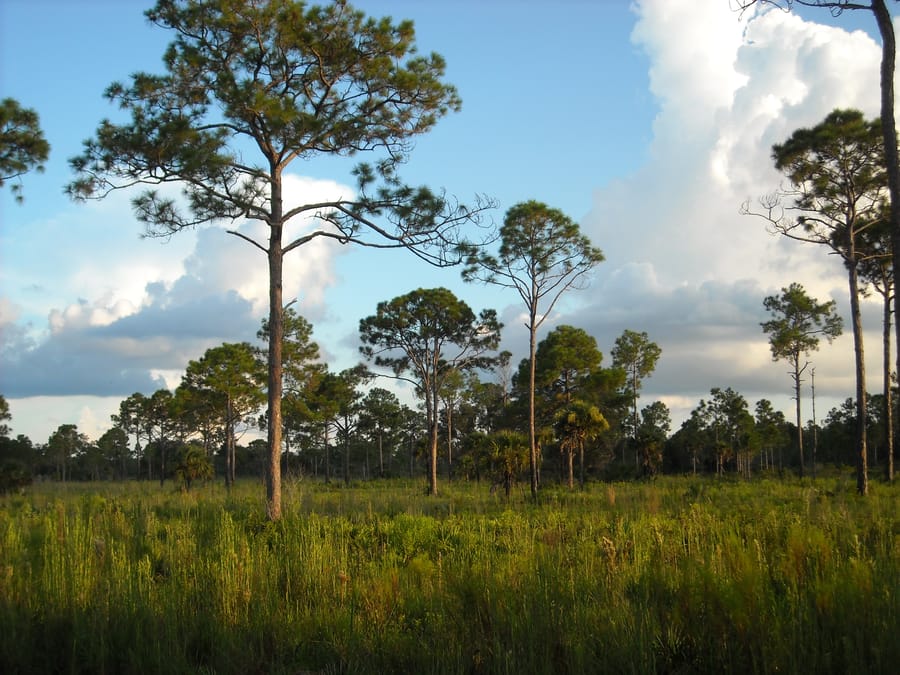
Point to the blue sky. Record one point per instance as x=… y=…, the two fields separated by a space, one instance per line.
x=648 y=122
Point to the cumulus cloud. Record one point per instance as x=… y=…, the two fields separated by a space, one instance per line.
x=682 y=263
x=119 y=342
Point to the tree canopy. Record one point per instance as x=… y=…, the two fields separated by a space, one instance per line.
x=23 y=147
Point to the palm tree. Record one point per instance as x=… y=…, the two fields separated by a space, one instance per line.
x=576 y=424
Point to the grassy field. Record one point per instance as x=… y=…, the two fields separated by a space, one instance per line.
x=678 y=575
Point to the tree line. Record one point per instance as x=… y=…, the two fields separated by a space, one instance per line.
x=343 y=427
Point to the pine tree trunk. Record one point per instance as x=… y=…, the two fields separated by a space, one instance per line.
x=380 y=454
x=888 y=392
x=799 y=416
x=891 y=154
x=276 y=337
x=862 y=473
x=532 y=436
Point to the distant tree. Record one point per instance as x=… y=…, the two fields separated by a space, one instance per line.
x=836 y=195
x=160 y=420
x=732 y=425
x=411 y=423
x=566 y=364
x=5 y=416
x=193 y=465
x=486 y=401
x=771 y=427
x=114 y=450
x=651 y=436
x=323 y=406
x=62 y=446
x=506 y=456
x=22 y=144
x=637 y=355
x=347 y=396
x=252 y=87
x=132 y=420
x=542 y=255
x=576 y=424
x=564 y=361
x=16 y=455
x=450 y=399
x=380 y=419
x=423 y=337
x=689 y=446
x=798 y=321
x=230 y=378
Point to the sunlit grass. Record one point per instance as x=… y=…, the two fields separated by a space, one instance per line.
x=678 y=575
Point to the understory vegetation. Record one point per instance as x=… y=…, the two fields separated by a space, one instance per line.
x=674 y=575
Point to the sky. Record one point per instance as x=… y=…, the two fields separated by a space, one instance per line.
x=649 y=122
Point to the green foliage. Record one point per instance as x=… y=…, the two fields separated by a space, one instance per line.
x=425 y=336
x=14 y=475
x=5 y=416
x=797 y=323
x=23 y=147
x=505 y=453
x=637 y=355
x=193 y=465
x=678 y=576
x=577 y=424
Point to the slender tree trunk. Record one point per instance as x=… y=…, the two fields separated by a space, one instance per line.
x=449 y=443
x=276 y=337
x=581 y=465
x=162 y=461
x=570 y=468
x=891 y=154
x=532 y=436
x=433 y=437
x=887 y=392
x=797 y=372
x=346 y=450
x=815 y=427
x=380 y=454
x=327 y=457
x=862 y=477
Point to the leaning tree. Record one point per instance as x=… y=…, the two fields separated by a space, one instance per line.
x=249 y=89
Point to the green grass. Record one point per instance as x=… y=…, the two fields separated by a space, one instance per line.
x=678 y=575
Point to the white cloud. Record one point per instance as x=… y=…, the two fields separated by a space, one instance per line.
x=112 y=342
x=39 y=416
x=681 y=262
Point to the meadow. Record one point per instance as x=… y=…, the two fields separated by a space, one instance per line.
x=678 y=575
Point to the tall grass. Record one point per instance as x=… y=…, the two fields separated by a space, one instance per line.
x=680 y=575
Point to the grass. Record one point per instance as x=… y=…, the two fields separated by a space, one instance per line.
x=679 y=575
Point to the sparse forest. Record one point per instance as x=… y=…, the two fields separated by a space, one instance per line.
x=439 y=507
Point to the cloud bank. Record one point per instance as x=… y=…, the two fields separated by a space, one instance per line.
x=682 y=264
